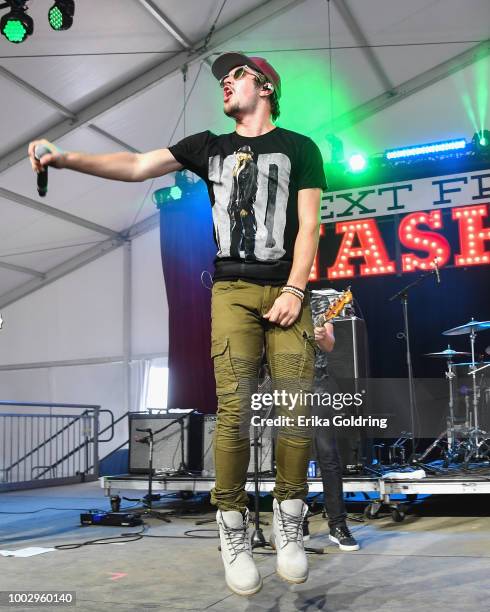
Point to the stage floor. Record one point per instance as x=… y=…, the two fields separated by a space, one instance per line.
x=437 y=559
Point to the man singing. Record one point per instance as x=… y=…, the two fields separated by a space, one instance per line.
x=265 y=184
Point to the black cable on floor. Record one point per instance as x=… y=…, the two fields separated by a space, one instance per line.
x=123 y=537
x=138 y=535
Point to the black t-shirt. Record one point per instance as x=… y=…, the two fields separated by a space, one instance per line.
x=253 y=185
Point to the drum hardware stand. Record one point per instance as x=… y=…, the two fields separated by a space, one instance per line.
x=436 y=443
x=450 y=375
x=399 y=445
x=449 y=432
x=477 y=437
x=482 y=368
x=450 y=450
x=485 y=440
x=476 y=442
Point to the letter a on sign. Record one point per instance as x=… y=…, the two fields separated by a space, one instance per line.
x=370 y=247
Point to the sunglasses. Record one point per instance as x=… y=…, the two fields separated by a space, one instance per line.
x=239 y=73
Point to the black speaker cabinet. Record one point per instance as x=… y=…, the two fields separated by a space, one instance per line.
x=349 y=359
x=167 y=444
x=348 y=363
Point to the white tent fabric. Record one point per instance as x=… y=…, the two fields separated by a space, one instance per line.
x=109 y=47
x=115 y=80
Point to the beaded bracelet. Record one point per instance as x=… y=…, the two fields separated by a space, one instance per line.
x=299 y=293
x=297 y=288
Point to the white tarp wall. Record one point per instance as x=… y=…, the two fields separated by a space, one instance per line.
x=66 y=342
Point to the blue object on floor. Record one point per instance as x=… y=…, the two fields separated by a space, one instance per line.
x=115 y=463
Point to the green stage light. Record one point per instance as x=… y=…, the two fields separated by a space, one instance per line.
x=166 y=194
x=481 y=140
x=357 y=162
x=16 y=25
x=175 y=192
x=61 y=15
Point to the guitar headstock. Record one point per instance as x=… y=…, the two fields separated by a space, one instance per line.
x=336 y=307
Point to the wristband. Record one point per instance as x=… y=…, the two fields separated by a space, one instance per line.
x=302 y=291
x=294 y=290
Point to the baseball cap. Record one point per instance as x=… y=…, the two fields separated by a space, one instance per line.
x=226 y=62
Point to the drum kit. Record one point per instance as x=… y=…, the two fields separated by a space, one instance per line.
x=463 y=438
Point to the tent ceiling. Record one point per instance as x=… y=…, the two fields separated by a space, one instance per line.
x=112 y=44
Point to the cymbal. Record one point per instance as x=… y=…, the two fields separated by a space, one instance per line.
x=469 y=363
x=447 y=354
x=467 y=328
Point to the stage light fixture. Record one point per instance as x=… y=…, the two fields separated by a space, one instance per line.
x=16 y=25
x=426 y=149
x=61 y=15
x=357 y=162
x=166 y=194
x=481 y=140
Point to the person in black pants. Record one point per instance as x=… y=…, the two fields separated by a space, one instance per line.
x=325 y=445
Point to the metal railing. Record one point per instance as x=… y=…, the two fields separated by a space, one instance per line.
x=111 y=425
x=51 y=444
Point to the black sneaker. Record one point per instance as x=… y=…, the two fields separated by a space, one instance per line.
x=342 y=536
x=306 y=530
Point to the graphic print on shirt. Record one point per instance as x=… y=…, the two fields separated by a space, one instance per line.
x=249 y=211
x=243 y=225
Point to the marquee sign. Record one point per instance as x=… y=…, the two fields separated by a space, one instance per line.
x=418 y=205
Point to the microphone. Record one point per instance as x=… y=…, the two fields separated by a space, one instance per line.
x=436 y=270
x=42 y=177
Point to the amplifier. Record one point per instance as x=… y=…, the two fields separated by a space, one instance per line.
x=208 y=427
x=266 y=452
x=167 y=449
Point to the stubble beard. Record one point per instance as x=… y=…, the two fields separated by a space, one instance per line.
x=236 y=111
x=232 y=110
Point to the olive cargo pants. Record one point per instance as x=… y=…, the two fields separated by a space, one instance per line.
x=239 y=335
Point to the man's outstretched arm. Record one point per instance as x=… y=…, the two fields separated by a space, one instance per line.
x=124 y=166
